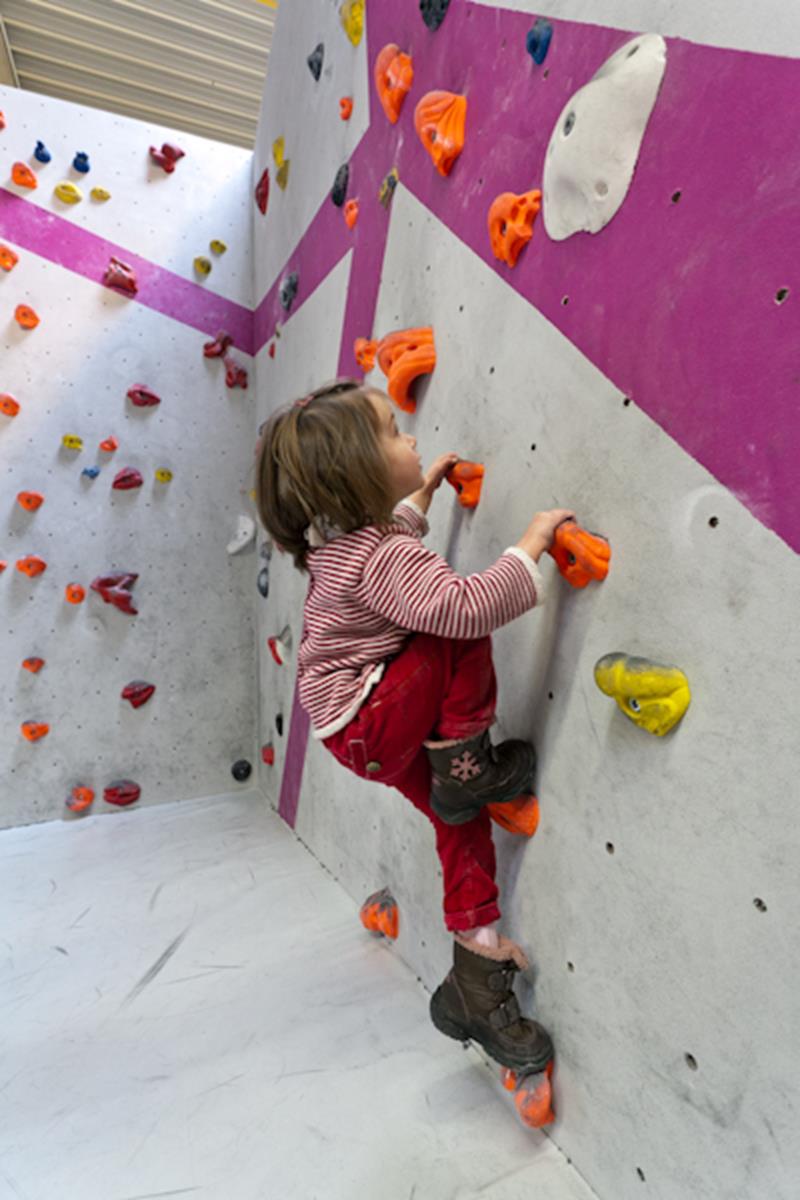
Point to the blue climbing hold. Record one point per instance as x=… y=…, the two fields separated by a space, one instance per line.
x=41 y=153
x=92 y=472
x=537 y=43
x=81 y=162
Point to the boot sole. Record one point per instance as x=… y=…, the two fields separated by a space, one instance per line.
x=462 y=1033
x=460 y=816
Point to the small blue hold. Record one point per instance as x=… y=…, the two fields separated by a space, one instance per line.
x=81 y=162
x=41 y=153
x=537 y=43
x=92 y=472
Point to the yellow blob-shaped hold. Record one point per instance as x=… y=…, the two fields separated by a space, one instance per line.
x=68 y=193
x=163 y=475
x=98 y=193
x=278 y=147
x=282 y=174
x=72 y=441
x=652 y=695
x=352 y=16
x=218 y=247
x=202 y=265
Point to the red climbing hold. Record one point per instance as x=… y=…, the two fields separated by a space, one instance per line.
x=116 y=590
x=138 y=692
x=142 y=396
x=127 y=478
x=268 y=754
x=121 y=277
x=217 y=348
x=34 y=665
x=122 y=793
x=109 y=444
x=235 y=374
x=262 y=191
x=167 y=156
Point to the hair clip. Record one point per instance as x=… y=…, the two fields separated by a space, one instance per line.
x=304 y=401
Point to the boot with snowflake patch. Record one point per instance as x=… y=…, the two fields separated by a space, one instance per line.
x=468 y=775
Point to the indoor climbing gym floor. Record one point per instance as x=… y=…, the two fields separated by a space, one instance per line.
x=190 y=1007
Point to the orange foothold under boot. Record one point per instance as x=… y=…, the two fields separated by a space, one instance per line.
x=439 y=120
x=23 y=176
x=365 y=352
x=393 y=74
x=467 y=479
x=534 y=1098
x=404 y=356
x=510 y=221
x=25 y=316
x=579 y=555
x=379 y=913
x=517 y=816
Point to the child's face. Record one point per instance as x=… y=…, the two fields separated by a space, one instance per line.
x=400 y=450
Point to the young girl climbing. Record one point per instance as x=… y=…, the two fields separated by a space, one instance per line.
x=395 y=667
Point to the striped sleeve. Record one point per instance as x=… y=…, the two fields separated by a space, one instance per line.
x=415 y=588
x=408 y=514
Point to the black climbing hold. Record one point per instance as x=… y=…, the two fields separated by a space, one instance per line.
x=289 y=290
x=314 y=60
x=537 y=43
x=263 y=581
x=433 y=12
x=339 y=192
x=241 y=770
x=279 y=724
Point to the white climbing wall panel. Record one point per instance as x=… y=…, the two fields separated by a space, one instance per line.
x=193 y=637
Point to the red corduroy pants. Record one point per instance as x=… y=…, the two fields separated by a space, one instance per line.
x=435 y=688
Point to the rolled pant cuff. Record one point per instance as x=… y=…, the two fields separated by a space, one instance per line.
x=485 y=914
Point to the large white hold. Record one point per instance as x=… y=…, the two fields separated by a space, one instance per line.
x=594 y=147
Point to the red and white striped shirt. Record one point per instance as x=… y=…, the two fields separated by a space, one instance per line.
x=371 y=589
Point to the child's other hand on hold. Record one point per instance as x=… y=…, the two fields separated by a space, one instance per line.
x=539 y=535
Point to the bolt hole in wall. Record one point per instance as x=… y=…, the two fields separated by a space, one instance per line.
x=570 y=966
x=781 y=295
x=640 y=1173
x=713 y=522
x=759 y=904
x=691 y=1062
x=610 y=847
x=676 y=197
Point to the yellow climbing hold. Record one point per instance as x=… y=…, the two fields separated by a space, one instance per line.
x=652 y=695
x=68 y=192
x=218 y=247
x=72 y=441
x=202 y=265
x=163 y=475
x=282 y=174
x=278 y=148
x=99 y=193
x=352 y=16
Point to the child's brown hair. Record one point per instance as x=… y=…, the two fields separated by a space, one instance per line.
x=321 y=457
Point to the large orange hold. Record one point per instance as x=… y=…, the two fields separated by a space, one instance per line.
x=8 y=405
x=31 y=565
x=517 y=816
x=25 y=316
x=365 y=351
x=404 y=356
x=467 y=479
x=393 y=74
x=8 y=258
x=510 y=223
x=33 y=730
x=23 y=176
x=30 y=501
x=580 y=556
x=439 y=119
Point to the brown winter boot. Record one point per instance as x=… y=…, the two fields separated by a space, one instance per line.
x=467 y=775
x=476 y=1001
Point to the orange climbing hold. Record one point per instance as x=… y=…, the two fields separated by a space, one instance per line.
x=439 y=119
x=404 y=356
x=350 y=213
x=33 y=730
x=8 y=258
x=534 y=1099
x=31 y=565
x=517 y=816
x=25 y=316
x=34 y=665
x=467 y=479
x=379 y=913
x=74 y=593
x=23 y=176
x=393 y=74
x=109 y=444
x=346 y=108
x=580 y=556
x=8 y=405
x=365 y=351
x=510 y=223
x=30 y=501
x=79 y=799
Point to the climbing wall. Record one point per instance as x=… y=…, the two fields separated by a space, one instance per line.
x=639 y=364
x=192 y=637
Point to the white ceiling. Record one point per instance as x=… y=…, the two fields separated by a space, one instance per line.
x=197 y=65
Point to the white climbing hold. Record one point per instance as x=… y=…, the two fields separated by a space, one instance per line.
x=594 y=147
x=245 y=532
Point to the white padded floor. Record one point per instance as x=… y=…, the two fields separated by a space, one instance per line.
x=189 y=1007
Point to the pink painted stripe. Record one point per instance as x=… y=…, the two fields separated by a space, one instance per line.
x=67 y=245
